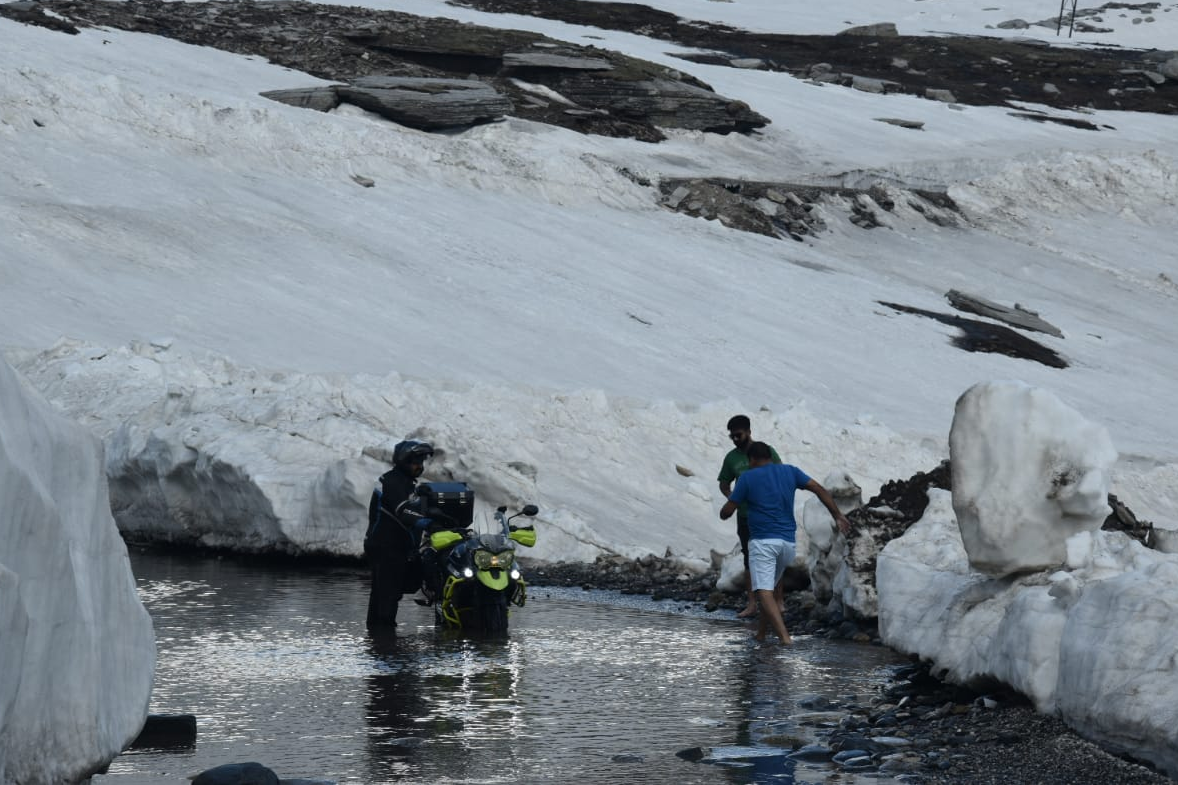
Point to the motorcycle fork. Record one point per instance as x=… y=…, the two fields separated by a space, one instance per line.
x=519 y=595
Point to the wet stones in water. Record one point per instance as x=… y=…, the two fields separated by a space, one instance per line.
x=166 y=731
x=813 y=752
x=249 y=774
x=237 y=774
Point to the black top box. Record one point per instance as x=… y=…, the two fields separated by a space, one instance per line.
x=455 y=500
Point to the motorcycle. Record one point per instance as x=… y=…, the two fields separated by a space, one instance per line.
x=471 y=578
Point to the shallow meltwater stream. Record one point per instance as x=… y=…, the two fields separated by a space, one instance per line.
x=590 y=687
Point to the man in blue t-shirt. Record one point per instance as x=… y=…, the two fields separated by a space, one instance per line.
x=769 y=488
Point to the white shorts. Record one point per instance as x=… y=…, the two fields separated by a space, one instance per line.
x=768 y=560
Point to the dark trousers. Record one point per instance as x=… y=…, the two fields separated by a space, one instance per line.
x=388 y=581
x=742 y=532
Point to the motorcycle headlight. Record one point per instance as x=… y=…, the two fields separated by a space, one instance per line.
x=467 y=572
x=485 y=560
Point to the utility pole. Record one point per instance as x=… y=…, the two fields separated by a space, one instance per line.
x=1062 y=10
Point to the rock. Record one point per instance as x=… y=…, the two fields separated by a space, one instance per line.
x=882 y=29
x=166 y=730
x=868 y=85
x=915 y=125
x=427 y=104
x=1013 y=24
x=813 y=752
x=237 y=774
x=1016 y=316
x=1169 y=69
x=321 y=99
x=945 y=96
x=548 y=60
x=663 y=102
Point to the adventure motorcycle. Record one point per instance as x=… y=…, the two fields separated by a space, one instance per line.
x=469 y=577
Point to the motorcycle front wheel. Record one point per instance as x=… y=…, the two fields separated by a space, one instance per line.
x=492 y=614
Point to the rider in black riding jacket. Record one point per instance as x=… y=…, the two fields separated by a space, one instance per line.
x=392 y=540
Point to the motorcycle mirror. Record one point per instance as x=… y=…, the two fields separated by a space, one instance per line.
x=529 y=510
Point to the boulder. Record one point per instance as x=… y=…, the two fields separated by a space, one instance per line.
x=427 y=103
x=662 y=102
x=237 y=774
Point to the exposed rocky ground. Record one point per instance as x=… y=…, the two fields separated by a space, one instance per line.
x=974 y=70
x=428 y=73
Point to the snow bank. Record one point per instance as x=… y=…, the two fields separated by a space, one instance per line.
x=1088 y=634
x=1028 y=472
x=203 y=451
x=77 y=649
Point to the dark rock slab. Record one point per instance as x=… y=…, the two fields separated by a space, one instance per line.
x=555 y=60
x=321 y=99
x=979 y=336
x=1015 y=317
x=427 y=103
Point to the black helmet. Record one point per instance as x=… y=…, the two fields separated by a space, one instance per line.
x=411 y=451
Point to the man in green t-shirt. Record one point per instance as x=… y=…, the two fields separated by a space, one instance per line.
x=736 y=463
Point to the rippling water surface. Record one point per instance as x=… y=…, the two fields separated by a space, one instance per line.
x=590 y=687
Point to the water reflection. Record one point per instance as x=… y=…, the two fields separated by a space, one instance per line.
x=453 y=702
x=278 y=667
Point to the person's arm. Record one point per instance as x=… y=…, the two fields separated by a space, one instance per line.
x=726 y=488
x=828 y=502
x=373 y=510
x=734 y=500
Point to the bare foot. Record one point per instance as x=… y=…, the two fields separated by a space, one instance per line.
x=748 y=613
